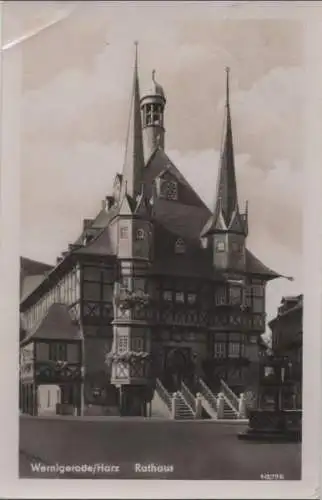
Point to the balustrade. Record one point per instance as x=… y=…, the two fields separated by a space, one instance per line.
x=190 y=399
x=164 y=395
x=208 y=395
x=229 y=395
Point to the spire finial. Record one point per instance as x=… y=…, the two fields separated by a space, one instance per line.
x=227 y=85
x=153 y=75
x=136 y=44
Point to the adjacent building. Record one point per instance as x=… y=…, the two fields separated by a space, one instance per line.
x=157 y=286
x=287 y=344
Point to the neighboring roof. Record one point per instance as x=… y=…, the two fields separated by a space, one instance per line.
x=29 y=284
x=32 y=273
x=255 y=266
x=289 y=305
x=32 y=267
x=56 y=325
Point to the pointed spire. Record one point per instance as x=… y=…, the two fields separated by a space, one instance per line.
x=143 y=207
x=134 y=159
x=226 y=187
x=125 y=203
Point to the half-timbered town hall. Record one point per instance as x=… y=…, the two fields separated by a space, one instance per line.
x=158 y=294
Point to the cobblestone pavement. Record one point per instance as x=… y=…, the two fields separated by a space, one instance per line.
x=193 y=450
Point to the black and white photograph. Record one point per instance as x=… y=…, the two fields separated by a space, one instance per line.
x=161 y=285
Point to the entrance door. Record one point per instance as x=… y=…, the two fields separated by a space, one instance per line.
x=177 y=367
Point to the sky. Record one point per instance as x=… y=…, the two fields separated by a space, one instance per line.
x=76 y=84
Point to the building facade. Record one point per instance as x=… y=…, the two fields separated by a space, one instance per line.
x=157 y=285
x=287 y=343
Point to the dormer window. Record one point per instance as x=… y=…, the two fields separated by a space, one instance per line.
x=140 y=234
x=220 y=246
x=180 y=246
x=172 y=190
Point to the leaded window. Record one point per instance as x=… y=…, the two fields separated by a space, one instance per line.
x=234 y=349
x=235 y=295
x=137 y=344
x=219 y=349
x=123 y=344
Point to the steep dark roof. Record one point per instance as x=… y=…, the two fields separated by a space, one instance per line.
x=32 y=267
x=32 y=273
x=160 y=164
x=101 y=244
x=56 y=325
x=255 y=266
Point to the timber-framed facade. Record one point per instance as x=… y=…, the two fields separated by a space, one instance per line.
x=157 y=286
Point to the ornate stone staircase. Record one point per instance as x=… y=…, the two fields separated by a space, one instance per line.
x=183 y=404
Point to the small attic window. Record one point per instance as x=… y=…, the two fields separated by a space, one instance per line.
x=180 y=246
x=220 y=246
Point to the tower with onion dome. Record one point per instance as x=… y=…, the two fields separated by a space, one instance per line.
x=152 y=106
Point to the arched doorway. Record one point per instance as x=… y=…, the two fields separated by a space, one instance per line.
x=177 y=367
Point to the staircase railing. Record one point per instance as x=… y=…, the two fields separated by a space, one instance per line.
x=207 y=394
x=229 y=395
x=188 y=396
x=163 y=393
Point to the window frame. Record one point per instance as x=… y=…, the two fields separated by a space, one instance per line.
x=218 y=246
